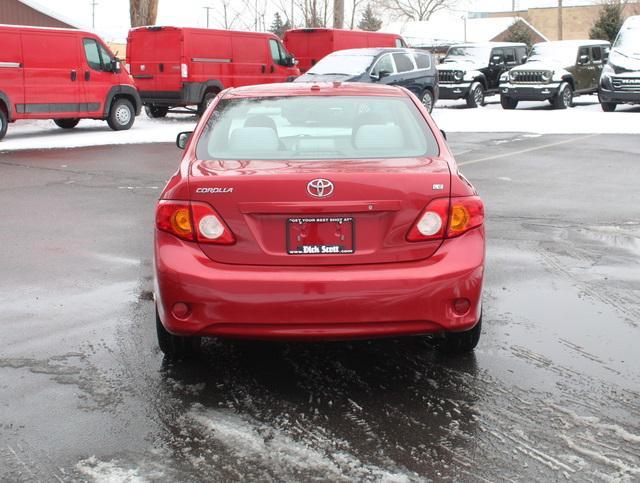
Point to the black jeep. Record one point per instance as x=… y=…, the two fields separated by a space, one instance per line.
x=557 y=72
x=472 y=71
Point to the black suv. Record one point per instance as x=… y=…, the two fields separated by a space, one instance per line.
x=413 y=69
x=472 y=71
x=620 y=80
x=557 y=72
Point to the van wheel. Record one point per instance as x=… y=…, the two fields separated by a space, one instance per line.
x=122 y=115
x=475 y=97
x=564 y=98
x=508 y=102
x=427 y=100
x=206 y=100
x=66 y=123
x=176 y=347
x=156 y=111
x=459 y=342
x=3 y=123
x=608 y=106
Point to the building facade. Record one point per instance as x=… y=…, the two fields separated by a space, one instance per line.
x=16 y=12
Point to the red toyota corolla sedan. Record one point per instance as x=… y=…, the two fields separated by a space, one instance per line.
x=317 y=212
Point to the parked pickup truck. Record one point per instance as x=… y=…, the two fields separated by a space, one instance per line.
x=472 y=71
x=556 y=72
x=620 y=79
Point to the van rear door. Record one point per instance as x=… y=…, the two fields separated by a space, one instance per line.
x=51 y=75
x=155 y=58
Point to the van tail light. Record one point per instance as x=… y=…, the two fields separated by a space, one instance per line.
x=184 y=71
x=193 y=221
x=447 y=218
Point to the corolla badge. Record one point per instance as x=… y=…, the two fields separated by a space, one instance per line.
x=320 y=188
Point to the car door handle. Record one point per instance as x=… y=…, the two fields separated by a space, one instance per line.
x=273 y=69
x=263 y=68
x=161 y=67
x=74 y=75
x=87 y=75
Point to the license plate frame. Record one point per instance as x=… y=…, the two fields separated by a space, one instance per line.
x=295 y=225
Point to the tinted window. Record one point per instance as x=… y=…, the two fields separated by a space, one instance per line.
x=583 y=51
x=423 y=61
x=521 y=53
x=277 y=53
x=400 y=43
x=92 y=53
x=495 y=53
x=324 y=127
x=596 y=54
x=510 y=56
x=403 y=62
x=384 y=64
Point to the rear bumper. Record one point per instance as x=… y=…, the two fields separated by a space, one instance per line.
x=454 y=91
x=620 y=97
x=526 y=92
x=190 y=94
x=321 y=302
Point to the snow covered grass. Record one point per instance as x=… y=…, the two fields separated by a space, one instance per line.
x=451 y=116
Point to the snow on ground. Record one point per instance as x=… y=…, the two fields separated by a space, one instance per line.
x=451 y=116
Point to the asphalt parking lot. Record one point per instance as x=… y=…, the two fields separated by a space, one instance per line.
x=552 y=392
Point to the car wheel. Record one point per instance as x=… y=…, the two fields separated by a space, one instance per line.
x=508 y=102
x=3 y=123
x=459 y=342
x=475 y=98
x=564 y=98
x=608 y=106
x=66 y=123
x=122 y=115
x=427 y=100
x=156 y=111
x=206 y=100
x=176 y=347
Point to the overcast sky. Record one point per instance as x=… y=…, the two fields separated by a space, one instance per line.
x=112 y=16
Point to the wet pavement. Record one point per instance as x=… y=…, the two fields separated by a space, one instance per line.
x=552 y=392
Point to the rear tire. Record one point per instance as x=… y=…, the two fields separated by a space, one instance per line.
x=508 y=103
x=608 y=106
x=206 y=100
x=475 y=97
x=564 y=98
x=4 y=121
x=156 y=111
x=427 y=100
x=121 y=115
x=461 y=342
x=66 y=123
x=176 y=347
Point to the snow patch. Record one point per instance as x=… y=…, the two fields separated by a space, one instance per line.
x=108 y=471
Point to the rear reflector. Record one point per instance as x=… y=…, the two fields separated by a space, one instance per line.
x=184 y=71
x=444 y=218
x=193 y=221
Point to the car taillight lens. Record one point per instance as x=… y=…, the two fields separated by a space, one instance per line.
x=444 y=218
x=193 y=221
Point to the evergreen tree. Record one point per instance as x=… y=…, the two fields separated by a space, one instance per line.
x=609 y=21
x=278 y=27
x=369 y=20
x=519 y=32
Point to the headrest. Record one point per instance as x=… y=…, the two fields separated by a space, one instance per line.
x=253 y=139
x=379 y=136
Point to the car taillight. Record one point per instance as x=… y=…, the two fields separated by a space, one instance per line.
x=193 y=221
x=444 y=218
x=210 y=228
x=184 y=71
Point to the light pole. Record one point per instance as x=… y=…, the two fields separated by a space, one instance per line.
x=208 y=9
x=93 y=14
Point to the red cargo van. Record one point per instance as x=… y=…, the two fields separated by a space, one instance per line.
x=310 y=45
x=188 y=66
x=65 y=75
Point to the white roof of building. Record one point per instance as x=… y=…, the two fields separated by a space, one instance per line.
x=452 y=30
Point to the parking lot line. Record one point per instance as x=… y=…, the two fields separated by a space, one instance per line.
x=528 y=150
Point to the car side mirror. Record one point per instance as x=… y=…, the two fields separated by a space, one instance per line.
x=584 y=59
x=290 y=62
x=383 y=73
x=524 y=58
x=183 y=139
x=114 y=66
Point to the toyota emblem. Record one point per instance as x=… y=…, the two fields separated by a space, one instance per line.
x=320 y=188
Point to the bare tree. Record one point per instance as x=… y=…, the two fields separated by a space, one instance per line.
x=354 y=11
x=143 y=12
x=418 y=10
x=338 y=14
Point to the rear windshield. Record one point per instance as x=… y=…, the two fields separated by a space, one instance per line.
x=318 y=127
